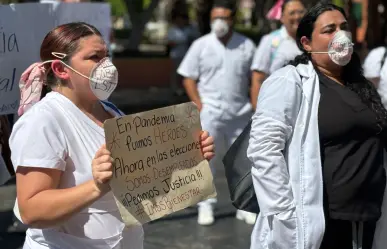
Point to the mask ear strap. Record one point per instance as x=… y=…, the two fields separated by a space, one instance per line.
x=332 y=52
x=64 y=55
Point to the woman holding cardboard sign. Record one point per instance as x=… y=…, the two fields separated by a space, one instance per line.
x=62 y=167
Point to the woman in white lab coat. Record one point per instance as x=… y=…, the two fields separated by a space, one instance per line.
x=317 y=144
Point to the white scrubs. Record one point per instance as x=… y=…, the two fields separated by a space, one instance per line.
x=372 y=63
x=223 y=77
x=267 y=49
x=286 y=52
x=55 y=134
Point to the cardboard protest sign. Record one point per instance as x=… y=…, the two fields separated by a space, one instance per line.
x=158 y=165
x=22 y=29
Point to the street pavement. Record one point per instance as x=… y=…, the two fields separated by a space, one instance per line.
x=176 y=231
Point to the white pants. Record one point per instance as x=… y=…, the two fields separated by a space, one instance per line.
x=224 y=132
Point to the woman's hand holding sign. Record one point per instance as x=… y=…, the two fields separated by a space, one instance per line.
x=102 y=167
x=207 y=145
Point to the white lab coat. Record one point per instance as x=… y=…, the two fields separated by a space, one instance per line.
x=284 y=148
x=286 y=52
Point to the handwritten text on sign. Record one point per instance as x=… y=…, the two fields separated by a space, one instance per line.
x=158 y=165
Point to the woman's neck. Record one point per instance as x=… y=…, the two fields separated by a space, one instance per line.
x=85 y=105
x=335 y=75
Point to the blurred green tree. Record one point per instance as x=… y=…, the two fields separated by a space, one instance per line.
x=118 y=8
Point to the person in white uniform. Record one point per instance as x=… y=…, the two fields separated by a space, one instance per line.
x=373 y=64
x=317 y=145
x=286 y=52
x=62 y=166
x=217 y=78
x=292 y=12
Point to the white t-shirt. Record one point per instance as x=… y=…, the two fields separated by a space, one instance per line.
x=55 y=134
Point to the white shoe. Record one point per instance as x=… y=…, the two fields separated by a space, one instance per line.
x=205 y=215
x=247 y=217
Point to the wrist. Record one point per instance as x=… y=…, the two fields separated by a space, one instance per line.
x=199 y=104
x=98 y=189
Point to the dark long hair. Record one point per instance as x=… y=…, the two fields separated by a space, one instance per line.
x=352 y=72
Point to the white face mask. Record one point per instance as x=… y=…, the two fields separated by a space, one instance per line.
x=103 y=77
x=340 y=48
x=220 y=27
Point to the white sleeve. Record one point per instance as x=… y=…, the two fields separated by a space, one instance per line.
x=251 y=50
x=382 y=86
x=285 y=53
x=272 y=124
x=372 y=63
x=261 y=60
x=280 y=60
x=189 y=67
x=37 y=140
